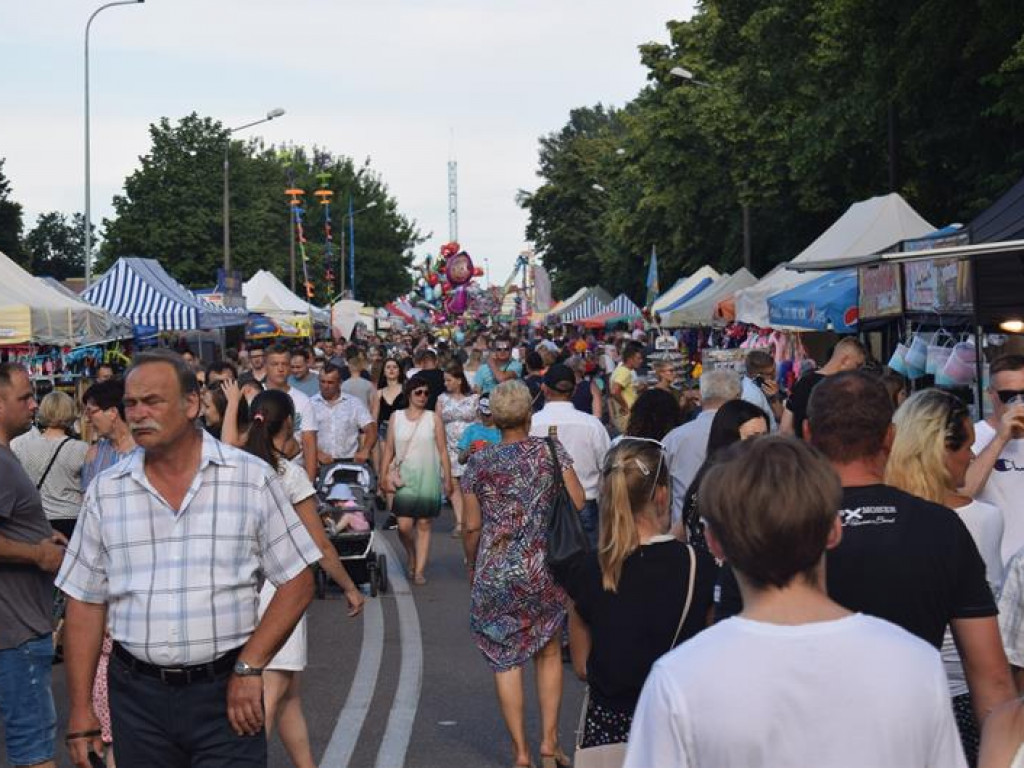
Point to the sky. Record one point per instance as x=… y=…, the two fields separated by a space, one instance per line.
x=406 y=83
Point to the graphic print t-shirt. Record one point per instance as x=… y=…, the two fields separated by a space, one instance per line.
x=902 y=559
x=1004 y=487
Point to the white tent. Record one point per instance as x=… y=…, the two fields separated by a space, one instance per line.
x=682 y=287
x=267 y=295
x=32 y=311
x=700 y=310
x=865 y=228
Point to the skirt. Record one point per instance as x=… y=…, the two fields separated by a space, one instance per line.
x=292 y=656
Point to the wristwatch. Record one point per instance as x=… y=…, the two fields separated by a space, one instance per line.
x=245 y=670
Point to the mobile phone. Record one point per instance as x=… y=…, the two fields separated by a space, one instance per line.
x=759 y=380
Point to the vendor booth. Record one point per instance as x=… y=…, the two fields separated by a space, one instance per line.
x=701 y=309
x=684 y=289
x=866 y=227
x=622 y=309
x=267 y=295
x=142 y=291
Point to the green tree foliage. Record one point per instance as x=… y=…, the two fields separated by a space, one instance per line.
x=793 y=118
x=55 y=246
x=172 y=210
x=10 y=221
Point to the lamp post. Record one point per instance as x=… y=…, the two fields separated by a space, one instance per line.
x=748 y=260
x=350 y=216
x=227 y=183
x=88 y=169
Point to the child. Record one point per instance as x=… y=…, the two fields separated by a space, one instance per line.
x=480 y=434
x=346 y=514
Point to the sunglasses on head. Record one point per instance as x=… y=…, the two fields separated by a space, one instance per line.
x=1006 y=395
x=640 y=465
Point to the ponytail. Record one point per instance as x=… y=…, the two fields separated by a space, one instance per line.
x=270 y=411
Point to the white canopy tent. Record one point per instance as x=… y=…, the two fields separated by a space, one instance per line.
x=700 y=310
x=267 y=295
x=682 y=287
x=865 y=228
x=32 y=311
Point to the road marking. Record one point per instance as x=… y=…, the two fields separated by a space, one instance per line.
x=395 y=743
x=353 y=714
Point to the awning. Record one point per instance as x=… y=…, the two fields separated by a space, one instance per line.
x=702 y=308
x=683 y=289
x=827 y=303
x=142 y=291
x=621 y=309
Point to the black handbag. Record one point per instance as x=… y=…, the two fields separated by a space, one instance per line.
x=566 y=538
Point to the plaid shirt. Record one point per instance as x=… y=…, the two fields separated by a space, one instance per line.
x=1011 y=610
x=181 y=588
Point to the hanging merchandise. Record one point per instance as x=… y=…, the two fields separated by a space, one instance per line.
x=960 y=369
x=916 y=357
x=939 y=350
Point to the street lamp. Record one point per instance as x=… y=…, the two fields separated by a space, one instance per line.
x=227 y=184
x=88 y=195
x=687 y=75
x=351 y=215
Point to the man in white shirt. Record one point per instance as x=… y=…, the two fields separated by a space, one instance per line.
x=278 y=370
x=687 y=445
x=760 y=689
x=760 y=387
x=997 y=473
x=583 y=437
x=346 y=430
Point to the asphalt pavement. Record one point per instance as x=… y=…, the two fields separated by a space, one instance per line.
x=403 y=684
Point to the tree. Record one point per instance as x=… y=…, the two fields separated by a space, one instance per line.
x=55 y=247
x=10 y=221
x=172 y=210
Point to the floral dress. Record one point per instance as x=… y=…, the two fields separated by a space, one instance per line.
x=515 y=607
x=457 y=415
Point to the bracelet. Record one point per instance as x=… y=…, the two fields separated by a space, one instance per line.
x=75 y=735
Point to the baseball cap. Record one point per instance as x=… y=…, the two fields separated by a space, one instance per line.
x=484 y=405
x=560 y=379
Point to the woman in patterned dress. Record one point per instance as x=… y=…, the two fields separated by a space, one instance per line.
x=457 y=407
x=517 y=611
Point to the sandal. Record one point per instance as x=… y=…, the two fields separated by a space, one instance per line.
x=457 y=532
x=419 y=580
x=557 y=760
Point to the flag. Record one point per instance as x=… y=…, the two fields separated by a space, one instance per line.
x=652 y=279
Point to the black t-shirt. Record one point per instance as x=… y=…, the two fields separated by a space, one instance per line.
x=799 y=396
x=631 y=628
x=902 y=559
x=533 y=382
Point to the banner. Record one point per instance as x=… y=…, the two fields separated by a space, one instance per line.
x=879 y=293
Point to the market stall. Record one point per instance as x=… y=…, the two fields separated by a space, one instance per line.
x=622 y=309
x=267 y=295
x=684 y=289
x=700 y=310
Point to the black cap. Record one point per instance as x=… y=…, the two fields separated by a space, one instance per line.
x=560 y=379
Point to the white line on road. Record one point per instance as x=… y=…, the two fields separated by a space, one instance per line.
x=395 y=743
x=353 y=714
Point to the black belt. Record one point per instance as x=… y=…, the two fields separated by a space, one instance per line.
x=180 y=675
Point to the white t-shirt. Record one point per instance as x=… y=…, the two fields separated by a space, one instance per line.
x=584 y=438
x=985 y=524
x=1004 y=487
x=854 y=692
x=305 y=417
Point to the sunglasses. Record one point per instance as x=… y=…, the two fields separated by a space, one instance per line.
x=1006 y=395
x=502 y=348
x=644 y=469
x=420 y=392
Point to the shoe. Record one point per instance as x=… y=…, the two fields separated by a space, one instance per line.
x=391 y=524
x=419 y=580
x=457 y=532
x=559 y=760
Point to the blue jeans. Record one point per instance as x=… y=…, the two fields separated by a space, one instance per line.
x=589 y=519
x=26 y=702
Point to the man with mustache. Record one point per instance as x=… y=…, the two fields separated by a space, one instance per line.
x=166 y=553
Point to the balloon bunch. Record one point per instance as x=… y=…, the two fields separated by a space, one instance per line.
x=445 y=286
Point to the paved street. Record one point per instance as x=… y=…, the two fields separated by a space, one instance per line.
x=417 y=692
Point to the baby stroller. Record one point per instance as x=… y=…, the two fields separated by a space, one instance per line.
x=343 y=489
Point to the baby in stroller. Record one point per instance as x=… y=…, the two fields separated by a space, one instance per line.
x=344 y=513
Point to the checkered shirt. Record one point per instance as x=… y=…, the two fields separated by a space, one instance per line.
x=339 y=423
x=1011 y=610
x=181 y=588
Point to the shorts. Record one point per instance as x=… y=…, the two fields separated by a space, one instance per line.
x=26 y=702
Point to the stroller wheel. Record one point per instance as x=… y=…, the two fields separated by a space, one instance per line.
x=374 y=578
x=382 y=568
x=321 y=583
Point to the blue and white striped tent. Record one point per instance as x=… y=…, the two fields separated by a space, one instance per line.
x=622 y=305
x=591 y=305
x=142 y=291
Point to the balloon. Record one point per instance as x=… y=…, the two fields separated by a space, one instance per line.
x=432 y=279
x=460 y=268
x=460 y=336
x=478 y=271
x=421 y=282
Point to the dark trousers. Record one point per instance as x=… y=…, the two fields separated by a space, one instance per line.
x=163 y=726
x=591 y=524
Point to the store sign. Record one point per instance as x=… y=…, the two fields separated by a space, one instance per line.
x=879 y=292
x=938 y=285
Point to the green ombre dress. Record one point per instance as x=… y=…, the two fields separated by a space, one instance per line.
x=416 y=449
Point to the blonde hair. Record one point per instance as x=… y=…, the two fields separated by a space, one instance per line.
x=924 y=432
x=632 y=471
x=56 y=410
x=511 y=404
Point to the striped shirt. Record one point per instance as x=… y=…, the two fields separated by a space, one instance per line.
x=181 y=588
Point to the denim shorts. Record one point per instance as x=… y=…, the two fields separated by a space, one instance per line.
x=26 y=701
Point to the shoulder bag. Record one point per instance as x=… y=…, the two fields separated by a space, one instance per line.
x=49 y=466
x=395 y=470
x=566 y=538
x=614 y=755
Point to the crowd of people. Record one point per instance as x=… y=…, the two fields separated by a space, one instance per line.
x=827 y=576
